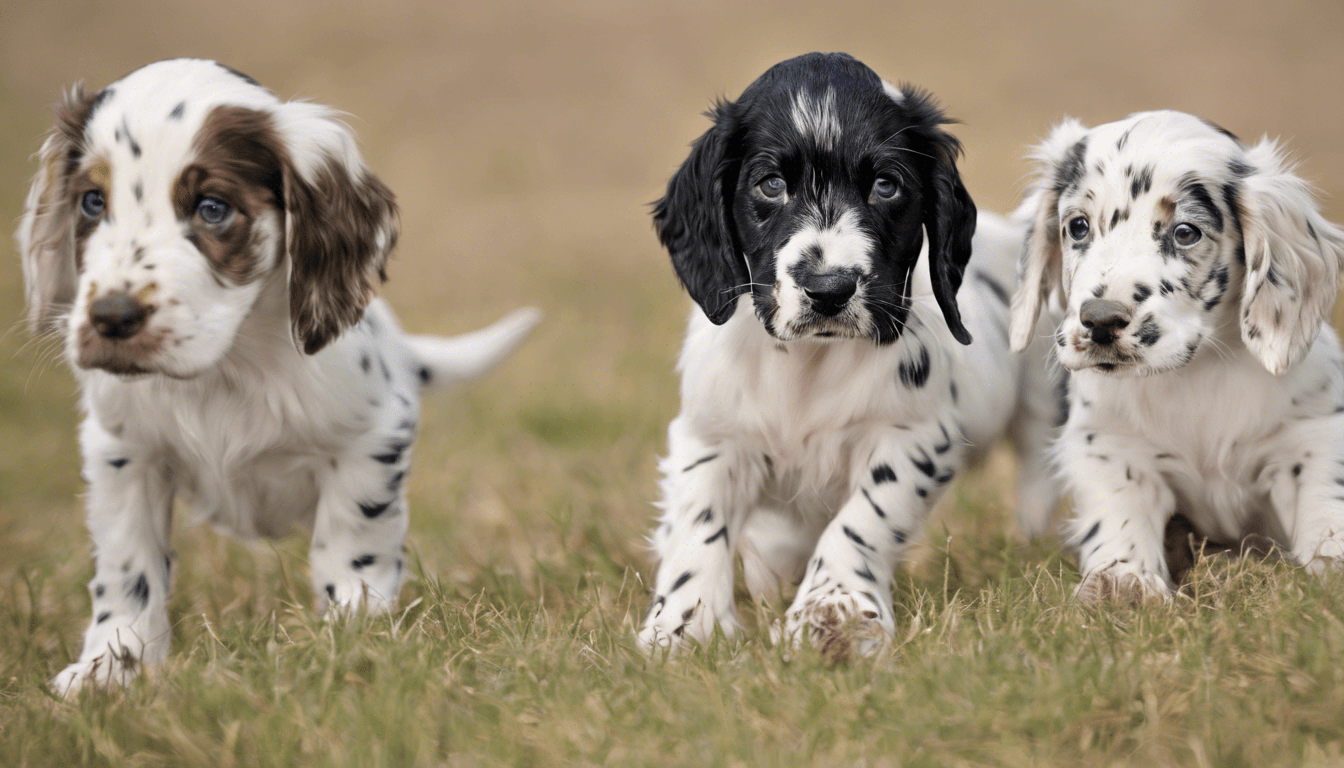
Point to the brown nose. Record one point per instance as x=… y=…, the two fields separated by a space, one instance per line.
x=1104 y=319
x=117 y=316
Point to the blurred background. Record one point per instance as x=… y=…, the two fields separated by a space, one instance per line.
x=525 y=142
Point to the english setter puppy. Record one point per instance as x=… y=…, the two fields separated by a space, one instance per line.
x=1198 y=278
x=827 y=395
x=208 y=255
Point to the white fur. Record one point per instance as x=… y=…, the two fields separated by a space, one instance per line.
x=779 y=440
x=1234 y=416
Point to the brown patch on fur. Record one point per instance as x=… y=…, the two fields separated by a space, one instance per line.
x=336 y=259
x=48 y=255
x=239 y=157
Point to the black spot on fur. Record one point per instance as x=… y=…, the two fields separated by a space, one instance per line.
x=865 y=574
x=393 y=455
x=104 y=616
x=382 y=366
x=1149 y=333
x=375 y=509
x=700 y=461
x=239 y=75
x=1142 y=182
x=394 y=483
x=883 y=473
x=118 y=463
x=363 y=561
x=945 y=477
x=1166 y=288
x=1220 y=279
x=1090 y=533
x=425 y=376
x=1124 y=139
x=1221 y=130
x=854 y=537
x=923 y=463
x=952 y=389
x=1070 y=170
x=705 y=517
x=100 y=590
x=1239 y=169
x=722 y=533
x=331 y=592
x=1141 y=293
x=898 y=535
x=914 y=373
x=139 y=590
x=1099 y=290
x=139 y=191
x=873 y=504
x=680 y=582
x=947 y=441
x=364 y=363
x=1203 y=202
x=176 y=114
x=1297 y=470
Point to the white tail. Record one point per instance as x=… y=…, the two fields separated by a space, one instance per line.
x=453 y=360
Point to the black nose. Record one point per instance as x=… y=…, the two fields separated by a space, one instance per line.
x=1104 y=318
x=829 y=293
x=117 y=316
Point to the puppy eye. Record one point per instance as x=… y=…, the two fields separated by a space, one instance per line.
x=1186 y=234
x=212 y=210
x=884 y=188
x=92 y=204
x=772 y=187
x=1079 y=228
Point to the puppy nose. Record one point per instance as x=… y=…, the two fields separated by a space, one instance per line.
x=117 y=316
x=829 y=292
x=1104 y=318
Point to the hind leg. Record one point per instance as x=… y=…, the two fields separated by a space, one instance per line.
x=1041 y=412
x=1306 y=489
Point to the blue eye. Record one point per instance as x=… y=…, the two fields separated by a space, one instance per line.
x=884 y=188
x=772 y=187
x=92 y=204
x=212 y=210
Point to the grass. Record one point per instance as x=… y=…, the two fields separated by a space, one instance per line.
x=531 y=490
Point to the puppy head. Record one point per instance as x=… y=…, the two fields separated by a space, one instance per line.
x=1162 y=228
x=165 y=202
x=812 y=193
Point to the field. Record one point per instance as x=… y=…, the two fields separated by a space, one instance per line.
x=525 y=142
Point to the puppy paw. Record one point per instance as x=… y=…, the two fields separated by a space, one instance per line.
x=675 y=623
x=106 y=670
x=840 y=623
x=1122 y=587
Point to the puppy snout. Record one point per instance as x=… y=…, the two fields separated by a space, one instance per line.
x=117 y=315
x=829 y=292
x=1104 y=319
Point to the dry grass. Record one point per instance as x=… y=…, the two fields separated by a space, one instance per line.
x=524 y=143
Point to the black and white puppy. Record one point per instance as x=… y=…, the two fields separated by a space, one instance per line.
x=827 y=397
x=1198 y=276
x=208 y=254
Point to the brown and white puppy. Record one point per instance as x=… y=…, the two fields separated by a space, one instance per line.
x=208 y=255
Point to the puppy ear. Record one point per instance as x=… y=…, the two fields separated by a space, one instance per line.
x=1293 y=258
x=949 y=219
x=341 y=224
x=1059 y=165
x=46 y=234
x=693 y=221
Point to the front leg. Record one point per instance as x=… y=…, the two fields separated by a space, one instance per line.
x=1121 y=507
x=358 y=554
x=1306 y=491
x=844 y=602
x=129 y=517
x=706 y=490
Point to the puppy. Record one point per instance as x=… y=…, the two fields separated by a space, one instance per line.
x=1198 y=278
x=208 y=255
x=827 y=395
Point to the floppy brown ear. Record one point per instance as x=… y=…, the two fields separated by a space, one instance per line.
x=341 y=224
x=1293 y=259
x=1058 y=162
x=46 y=234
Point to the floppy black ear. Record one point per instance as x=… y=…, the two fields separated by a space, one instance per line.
x=693 y=221
x=949 y=219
